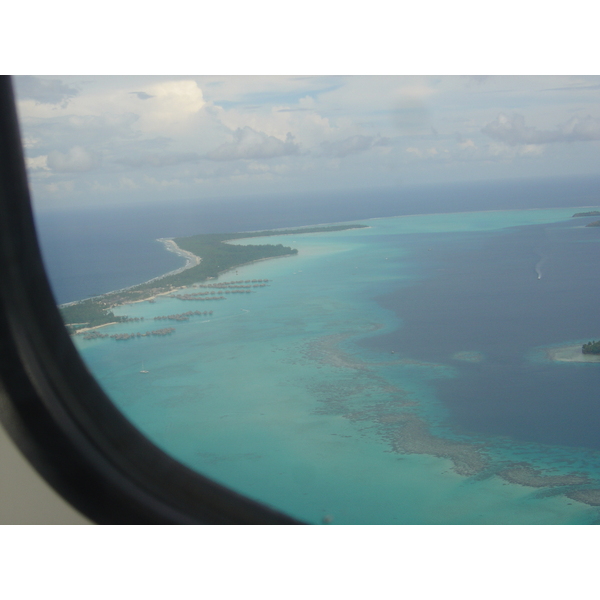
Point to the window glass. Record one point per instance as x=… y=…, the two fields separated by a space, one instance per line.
x=355 y=299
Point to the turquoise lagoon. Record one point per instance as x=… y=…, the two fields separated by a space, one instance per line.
x=290 y=396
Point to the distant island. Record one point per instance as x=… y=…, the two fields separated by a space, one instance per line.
x=214 y=255
x=591 y=348
x=572 y=354
x=591 y=213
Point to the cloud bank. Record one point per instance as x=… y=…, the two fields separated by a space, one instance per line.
x=353 y=145
x=251 y=144
x=129 y=139
x=74 y=160
x=160 y=160
x=44 y=91
x=512 y=130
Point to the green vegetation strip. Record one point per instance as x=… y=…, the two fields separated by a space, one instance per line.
x=217 y=257
x=591 y=213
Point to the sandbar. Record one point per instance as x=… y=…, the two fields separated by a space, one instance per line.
x=191 y=259
x=571 y=354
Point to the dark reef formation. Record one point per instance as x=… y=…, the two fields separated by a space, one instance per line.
x=400 y=420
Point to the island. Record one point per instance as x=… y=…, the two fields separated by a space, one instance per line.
x=593 y=224
x=214 y=256
x=591 y=348
x=573 y=353
x=591 y=213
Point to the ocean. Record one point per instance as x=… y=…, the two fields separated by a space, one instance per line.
x=400 y=374
x=93 y=251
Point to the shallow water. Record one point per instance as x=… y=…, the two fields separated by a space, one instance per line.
x=393 y=374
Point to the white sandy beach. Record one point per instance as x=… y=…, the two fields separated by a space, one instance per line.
x=191 y=259
x=572 y=354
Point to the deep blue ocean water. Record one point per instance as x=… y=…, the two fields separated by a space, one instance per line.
x=481 y=291
x=293 y=394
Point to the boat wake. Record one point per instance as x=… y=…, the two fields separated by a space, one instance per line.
x=541 y=262
x=539 y=265
x=543 y=249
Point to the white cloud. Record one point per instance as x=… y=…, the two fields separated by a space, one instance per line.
x=499 y=151
x=531 y=150
x=163 y=183
x=104 y=188
x=60 y=187
x=353 y=145
x=299 y=133
x=161 y=107
x=76 y=159
x=426 y=152
x=166 y=159
x=303 y=120
x=258 y=167
x=44 y=91
x=512 y=130
x=412 y=110
x=128 y=183
x=171 y=105
x=37 y=163
x=30 y=142
x=250 y=144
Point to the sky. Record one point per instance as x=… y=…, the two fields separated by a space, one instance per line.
x=107 y=140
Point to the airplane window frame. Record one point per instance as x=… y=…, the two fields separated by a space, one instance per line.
x=54 y=409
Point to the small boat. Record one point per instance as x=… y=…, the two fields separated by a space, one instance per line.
x=143 y=370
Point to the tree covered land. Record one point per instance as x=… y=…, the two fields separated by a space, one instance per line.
x=591 y=213
x=217 y=256
x=591 y=348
